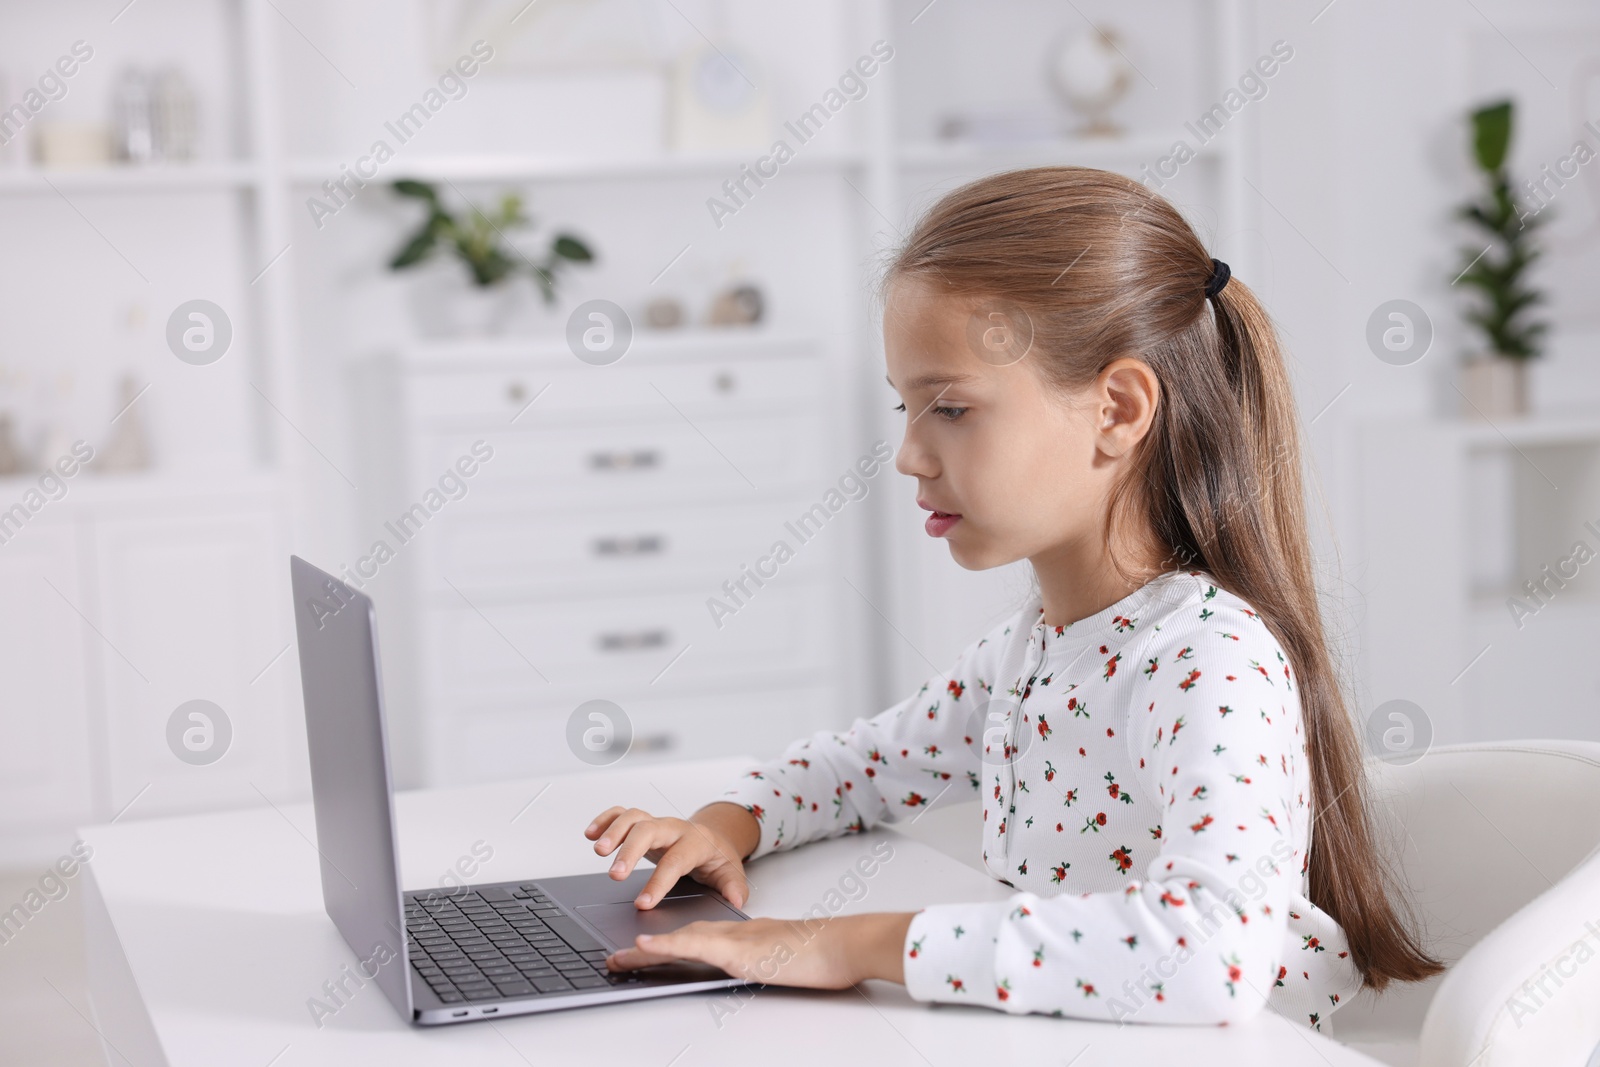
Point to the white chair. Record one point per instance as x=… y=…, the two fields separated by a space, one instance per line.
x=1497 y=844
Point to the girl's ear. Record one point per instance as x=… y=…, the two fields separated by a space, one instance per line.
x=1126 y=394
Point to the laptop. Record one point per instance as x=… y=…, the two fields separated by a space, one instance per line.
x=471 y=952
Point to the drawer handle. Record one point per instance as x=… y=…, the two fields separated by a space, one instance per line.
x=633 y=641
x=643 y=545
x=610 y=461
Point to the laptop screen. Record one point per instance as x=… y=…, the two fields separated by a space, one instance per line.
x=350 y=788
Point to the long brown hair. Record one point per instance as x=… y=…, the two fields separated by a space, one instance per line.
x=1102 y=267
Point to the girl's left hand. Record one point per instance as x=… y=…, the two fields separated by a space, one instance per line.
x=813 y=954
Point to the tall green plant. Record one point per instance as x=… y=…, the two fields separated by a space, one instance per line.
x=481 y=243
x=1500 y=272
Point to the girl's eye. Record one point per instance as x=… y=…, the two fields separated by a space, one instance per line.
x=945 y=413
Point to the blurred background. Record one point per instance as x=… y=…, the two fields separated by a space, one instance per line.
x=546 y=322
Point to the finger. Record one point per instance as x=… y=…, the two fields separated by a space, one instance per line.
x=641 y=838
x=601 y=821
x=613 y=834
x=731 y=883
x=673 y=864
x=633 y=957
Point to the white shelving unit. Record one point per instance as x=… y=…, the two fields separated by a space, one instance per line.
x=134 y=593
x=1457 y=518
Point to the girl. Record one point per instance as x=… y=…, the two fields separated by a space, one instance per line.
x=1165 y=766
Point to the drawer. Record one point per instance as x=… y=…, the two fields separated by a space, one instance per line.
x=490 y=399
x=644 y=461
x=519 y=551
x=485 y=741
x=607 y=642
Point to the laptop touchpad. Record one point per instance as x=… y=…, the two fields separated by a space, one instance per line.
x=619 y=923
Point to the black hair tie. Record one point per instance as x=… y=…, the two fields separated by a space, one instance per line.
x=1219 y=278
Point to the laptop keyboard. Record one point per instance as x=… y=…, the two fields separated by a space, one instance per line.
x=496 y=942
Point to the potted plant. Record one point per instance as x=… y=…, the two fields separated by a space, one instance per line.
x=1495 y=382
x=485 y=300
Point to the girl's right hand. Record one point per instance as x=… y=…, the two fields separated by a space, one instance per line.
x=706 y=846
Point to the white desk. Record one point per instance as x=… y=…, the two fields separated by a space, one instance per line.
x=207 y=937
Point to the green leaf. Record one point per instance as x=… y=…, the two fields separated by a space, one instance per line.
x=419 y=190
x=1491 y=134
x=569 y=247
x=415 y=251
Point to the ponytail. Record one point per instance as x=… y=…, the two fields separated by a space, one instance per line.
x=1217 y=478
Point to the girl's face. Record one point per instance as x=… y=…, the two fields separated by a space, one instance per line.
x=1008 y=465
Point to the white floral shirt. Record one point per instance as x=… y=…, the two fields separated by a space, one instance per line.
x=1144 y=785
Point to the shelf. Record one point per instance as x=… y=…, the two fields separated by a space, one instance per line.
x=121 y=179
x=455 y=354
x=1143 y=148
x=89 y=489
x=1530 y=431
x=494 y=168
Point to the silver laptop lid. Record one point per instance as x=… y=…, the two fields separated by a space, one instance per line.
x=351 y=791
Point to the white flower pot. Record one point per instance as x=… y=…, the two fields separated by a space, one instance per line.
x=445 y=303
x=1494 y=387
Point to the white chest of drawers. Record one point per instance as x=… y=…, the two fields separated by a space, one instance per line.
x=578 y=561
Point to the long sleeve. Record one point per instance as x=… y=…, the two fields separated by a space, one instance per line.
x=891 y=766
x=1211 y=722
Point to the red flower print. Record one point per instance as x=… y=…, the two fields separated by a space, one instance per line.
x=1111 y=665
x=955 y=689
x=1088 y=988
x=1224 y=710
x=1201 y=825
x=1044 y=727
x=759 y=812
x=1049 y=772
x=916 y=947
x=914 y=800
x=1058 y=873
x=1169 y=900
x=1189 y=680
x=956 y=984
x=1003 y=990
x=1122 y=859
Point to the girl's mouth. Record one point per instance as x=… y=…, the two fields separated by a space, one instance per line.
x=939 y=523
